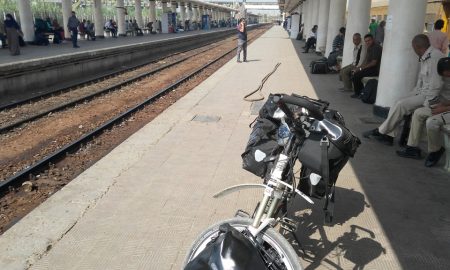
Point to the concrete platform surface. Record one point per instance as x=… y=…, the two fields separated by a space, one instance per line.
x=142 y=205
x=32 y=52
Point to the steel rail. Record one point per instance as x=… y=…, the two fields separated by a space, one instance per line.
x=102 y=77
x=6 y=128
x=57 y=155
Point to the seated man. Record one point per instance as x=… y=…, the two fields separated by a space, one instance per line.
x=311 y=41
x=359 y=53
x=435 y=117
x=110 y=26
x=129 y=27
x=90 y=30
x=370 y=67
x=136 y=29
x=428 y=86
x=441 y=117
x=337 y=49
x=150 y=27
x=82 y=29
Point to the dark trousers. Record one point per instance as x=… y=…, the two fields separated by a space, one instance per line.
x=242 y=46
x=310 y=43
x=357 y=77
x=74 y=36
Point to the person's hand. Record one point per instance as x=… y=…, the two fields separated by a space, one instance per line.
x=438 y=108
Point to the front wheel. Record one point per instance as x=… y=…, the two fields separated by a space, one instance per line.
x=272 y=241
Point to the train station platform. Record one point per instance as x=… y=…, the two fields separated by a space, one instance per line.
x=142 y=205
x=33 y=52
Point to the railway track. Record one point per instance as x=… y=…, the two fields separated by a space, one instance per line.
x=13 y=102
x=30 y=171
x=8 y=123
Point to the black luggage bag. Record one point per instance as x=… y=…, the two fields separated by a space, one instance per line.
x=369 y=93
x=319 y=66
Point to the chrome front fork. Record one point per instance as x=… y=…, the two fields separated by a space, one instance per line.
x=274 y=191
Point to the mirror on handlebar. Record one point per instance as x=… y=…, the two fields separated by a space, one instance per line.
x=333 y=130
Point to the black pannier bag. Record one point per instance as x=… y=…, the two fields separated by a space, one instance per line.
x=262 y=142
x=338 y=152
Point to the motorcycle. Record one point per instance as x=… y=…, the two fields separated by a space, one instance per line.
x=289 y=128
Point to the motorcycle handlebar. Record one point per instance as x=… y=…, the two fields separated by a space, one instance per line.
x=313 y=109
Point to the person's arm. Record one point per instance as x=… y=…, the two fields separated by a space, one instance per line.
x=362 y=56
x=435 y=82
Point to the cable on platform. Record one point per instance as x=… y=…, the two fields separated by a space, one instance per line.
x=261 y=96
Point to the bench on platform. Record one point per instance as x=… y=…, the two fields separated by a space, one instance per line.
x=446 y=131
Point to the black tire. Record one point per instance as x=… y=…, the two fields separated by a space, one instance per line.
x=269 y=236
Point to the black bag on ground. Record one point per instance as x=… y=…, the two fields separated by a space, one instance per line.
x=369 y=93
x=231 y=246
x=319 y=66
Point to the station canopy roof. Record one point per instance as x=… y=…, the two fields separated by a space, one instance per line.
x=289 y=5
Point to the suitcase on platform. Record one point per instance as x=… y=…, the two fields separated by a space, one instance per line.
x=319 y=66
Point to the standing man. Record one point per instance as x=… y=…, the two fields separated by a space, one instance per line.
x=373 y=27
x=439 y=39
x=72 y=24
x=370 y=67
x=434 y=117
x=379 y=35
x=242 y=40
x=428 y=86
x=359 y=53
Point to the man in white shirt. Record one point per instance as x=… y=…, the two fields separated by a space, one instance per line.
x=428 y=86
x=312 y=37
x=359 y=53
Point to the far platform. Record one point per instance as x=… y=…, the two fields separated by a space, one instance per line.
x=33 y=52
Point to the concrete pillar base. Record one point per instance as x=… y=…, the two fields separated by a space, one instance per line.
x=100 y=36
